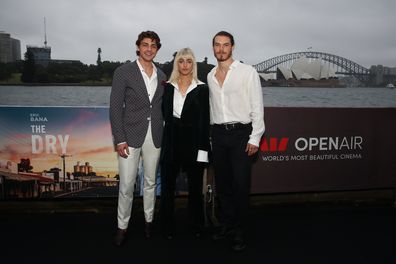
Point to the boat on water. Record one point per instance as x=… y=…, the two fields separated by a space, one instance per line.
x=390 y=85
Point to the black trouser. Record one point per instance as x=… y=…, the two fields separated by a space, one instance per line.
x=170 y=169
x=169 y=172
x=232 y=167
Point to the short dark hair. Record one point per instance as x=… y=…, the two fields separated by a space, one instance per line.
x=226 y=34
x=148 y=34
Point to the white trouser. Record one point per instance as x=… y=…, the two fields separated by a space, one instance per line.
x=128 y=171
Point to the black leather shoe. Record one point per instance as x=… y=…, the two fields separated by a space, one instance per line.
x=120 y=237
x=238 y=244
x=148 y=229
x=222 y=233
x=197 y=231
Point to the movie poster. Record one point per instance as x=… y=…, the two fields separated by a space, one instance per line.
x=57 y=152
x=67 y=152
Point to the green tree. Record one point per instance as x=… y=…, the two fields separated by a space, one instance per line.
x=74 y=72
x=108 y=68
x=93 y=73
x=5 y=72
x=41 y=74
x=29 y=68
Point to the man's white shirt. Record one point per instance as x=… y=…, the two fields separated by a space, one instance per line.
x=151 y=82
x=240 y=99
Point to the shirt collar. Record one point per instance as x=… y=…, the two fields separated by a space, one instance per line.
x=192 y=86
x=233 y=65
x=193 y=83
x=142 y=69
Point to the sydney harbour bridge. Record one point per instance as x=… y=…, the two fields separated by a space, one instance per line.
x=341 y=65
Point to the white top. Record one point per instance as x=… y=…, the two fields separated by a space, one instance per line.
x=240 y=99
x=151 y=82
x=179 y=99
x=178 y=103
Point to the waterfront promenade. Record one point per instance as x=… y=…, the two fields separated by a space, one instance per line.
x=282 y=229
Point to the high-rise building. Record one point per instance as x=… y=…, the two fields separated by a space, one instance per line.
x=16 y=49
x=10 y=48
x=382 y=75
x=42 y=55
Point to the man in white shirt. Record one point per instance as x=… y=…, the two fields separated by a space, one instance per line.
x=237 y=118
x=137 y=126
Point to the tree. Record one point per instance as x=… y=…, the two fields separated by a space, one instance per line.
x=108 y=68
x=41 y=74
x=93 y=73
x=5 y=72
x=29 y=68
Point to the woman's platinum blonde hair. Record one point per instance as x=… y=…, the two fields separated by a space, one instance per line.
x=184 y=53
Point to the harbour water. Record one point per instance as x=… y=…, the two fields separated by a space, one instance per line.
x=92 y=96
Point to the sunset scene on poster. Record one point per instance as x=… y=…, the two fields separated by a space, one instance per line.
x=44 y=134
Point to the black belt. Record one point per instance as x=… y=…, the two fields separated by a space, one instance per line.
x=233 y=126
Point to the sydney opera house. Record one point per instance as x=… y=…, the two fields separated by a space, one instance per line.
x=303 y=72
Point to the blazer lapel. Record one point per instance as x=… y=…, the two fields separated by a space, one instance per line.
x=159 y=86
x=169 y=100
x=188 y=101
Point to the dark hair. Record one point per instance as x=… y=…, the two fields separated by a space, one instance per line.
x=226 y=34
x=148 y=34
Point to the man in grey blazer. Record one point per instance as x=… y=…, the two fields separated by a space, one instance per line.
x=137 y=125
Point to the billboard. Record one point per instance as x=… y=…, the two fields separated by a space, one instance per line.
x=324 y=149
x=51 y=152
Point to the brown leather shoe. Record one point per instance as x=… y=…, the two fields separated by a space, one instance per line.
x=148 y=229
x=120 y=237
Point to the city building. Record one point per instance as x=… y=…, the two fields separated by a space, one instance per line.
x=381 y=75
x=10 y=48
x=42 y=55
x=83 y=169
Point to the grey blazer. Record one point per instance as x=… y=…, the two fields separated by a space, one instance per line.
x=131 y=109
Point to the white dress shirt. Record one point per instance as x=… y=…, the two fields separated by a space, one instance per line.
x=151 y=82
x=240 y=99
x=178 y=103
x=179 y=99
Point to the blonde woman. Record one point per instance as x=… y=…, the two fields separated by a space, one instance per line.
x=185 y=143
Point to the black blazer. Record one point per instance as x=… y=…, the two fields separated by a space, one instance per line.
x=194 y=121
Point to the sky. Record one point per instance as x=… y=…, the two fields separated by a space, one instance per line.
x=360 y=30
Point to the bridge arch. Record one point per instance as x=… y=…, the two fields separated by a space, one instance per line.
x=344 y=66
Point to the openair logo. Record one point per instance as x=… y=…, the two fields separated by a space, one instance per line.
x=301 y=144
x=274 y=144
x=312 y=148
